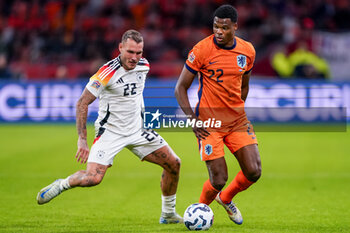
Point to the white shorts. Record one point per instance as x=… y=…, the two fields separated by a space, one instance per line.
x=109 y=144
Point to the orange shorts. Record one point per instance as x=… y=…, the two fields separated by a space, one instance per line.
x=213 y=146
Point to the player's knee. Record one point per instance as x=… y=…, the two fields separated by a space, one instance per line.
x=219 y=182
x=219 y=185
x=254 y=174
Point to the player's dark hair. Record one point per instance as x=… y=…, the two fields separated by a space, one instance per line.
x=132 y=34
x=226 y=11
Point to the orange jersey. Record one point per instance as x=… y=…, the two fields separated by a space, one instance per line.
x=220 y=79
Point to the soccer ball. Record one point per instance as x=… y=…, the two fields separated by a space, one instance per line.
x=198 y=217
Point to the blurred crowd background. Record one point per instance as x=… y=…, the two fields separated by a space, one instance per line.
x=70 y=39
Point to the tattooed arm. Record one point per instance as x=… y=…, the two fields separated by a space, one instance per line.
x=82 y=109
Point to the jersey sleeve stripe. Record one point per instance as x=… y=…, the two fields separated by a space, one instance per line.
x=110 y=72
x=108 y=76
x=200 y=91
x=108 y=68
x=103 y=70
x=190 y=69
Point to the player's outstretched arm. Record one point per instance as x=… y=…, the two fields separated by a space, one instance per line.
x=185 y=80
x=82 y=109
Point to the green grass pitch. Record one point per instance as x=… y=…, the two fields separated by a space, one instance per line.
x=305 y=185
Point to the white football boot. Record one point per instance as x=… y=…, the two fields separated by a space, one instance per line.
x=49 y=192
x=233 y=212
x=169 y=218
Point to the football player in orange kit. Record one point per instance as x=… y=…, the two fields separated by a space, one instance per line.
x=223 y=62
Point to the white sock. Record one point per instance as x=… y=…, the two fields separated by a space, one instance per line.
x=168 y=204
x=64 y=185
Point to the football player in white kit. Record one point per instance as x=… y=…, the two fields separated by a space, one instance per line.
x=119 y=86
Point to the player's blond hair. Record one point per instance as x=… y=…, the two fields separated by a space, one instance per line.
x=132 y=34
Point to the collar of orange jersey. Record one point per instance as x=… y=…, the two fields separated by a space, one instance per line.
x=223 y=47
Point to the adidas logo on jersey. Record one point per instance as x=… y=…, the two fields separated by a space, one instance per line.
x=120 y=80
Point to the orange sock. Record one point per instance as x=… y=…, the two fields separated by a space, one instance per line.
x=208 y=193
x=239 y=183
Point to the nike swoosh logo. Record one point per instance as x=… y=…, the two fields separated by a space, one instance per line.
x=212 y=62
x=42 y=195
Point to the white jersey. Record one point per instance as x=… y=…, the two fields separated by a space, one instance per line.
x=120 y=94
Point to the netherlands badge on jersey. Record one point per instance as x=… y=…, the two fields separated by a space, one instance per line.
x=241 y=61
x=208 y=149
x=191 y=57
